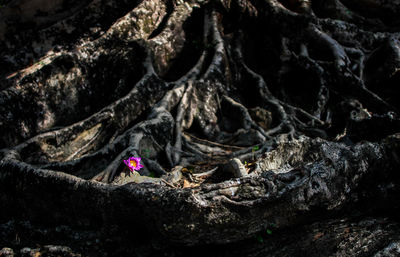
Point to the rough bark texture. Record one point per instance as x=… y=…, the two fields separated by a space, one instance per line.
x=251 y=116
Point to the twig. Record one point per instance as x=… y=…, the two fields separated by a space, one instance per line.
x=206 y=173
x=167 y=183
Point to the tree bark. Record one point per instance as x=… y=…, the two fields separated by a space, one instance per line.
x=248 y=115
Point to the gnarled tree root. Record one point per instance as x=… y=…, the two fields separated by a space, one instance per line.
x=297 y=180
x=299 y=95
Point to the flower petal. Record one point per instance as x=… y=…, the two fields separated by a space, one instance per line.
x=135 y=160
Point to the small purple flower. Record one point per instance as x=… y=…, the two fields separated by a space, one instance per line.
x=133 y=163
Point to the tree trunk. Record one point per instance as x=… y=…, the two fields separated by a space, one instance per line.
x=248 y=115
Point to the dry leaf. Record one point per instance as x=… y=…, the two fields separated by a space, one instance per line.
x=186 y=183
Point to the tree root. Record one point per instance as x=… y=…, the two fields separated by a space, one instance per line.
x=288 y=91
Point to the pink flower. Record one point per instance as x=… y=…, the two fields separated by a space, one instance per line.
x=133 y=163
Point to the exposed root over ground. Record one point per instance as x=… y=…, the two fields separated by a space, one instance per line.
x=247 y=114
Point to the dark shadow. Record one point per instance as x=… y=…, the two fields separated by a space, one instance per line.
x=300 y=88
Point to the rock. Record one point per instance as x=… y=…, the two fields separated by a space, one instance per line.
x=236 y=168
x=174 y=176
